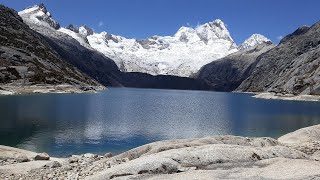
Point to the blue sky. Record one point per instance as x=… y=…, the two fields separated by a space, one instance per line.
x=144 y=18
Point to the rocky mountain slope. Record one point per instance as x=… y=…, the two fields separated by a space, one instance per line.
x=229 y=72
x=180 y=55
x=26 y=58
x=87 y=60
x=73 y=48
x=292 y=67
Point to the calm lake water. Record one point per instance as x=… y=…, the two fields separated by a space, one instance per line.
x=122 y=118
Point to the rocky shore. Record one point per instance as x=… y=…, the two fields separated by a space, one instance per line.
x=11 y=89
x=288 y=97
x=293 y=156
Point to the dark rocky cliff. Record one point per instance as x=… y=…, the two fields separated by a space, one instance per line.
x=292 y=67
x=228 y=73
x=27 y=58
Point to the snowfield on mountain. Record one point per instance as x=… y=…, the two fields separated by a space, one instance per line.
x=180 y=55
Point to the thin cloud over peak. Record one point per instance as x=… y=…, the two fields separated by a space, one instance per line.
x=101 y=23
x=280 y=38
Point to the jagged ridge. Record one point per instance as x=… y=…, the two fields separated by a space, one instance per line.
x=182 y=54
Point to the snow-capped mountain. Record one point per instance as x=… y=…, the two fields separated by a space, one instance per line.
x=182 y=54
x=78 y=33
x=39 y=15
x=254 y=40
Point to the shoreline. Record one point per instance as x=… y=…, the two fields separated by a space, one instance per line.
x=293 y=156
x=288 y=97
x=9 y=89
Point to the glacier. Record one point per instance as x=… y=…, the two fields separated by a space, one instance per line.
x=182 y=54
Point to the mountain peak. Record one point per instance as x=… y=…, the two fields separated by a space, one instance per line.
x=214 y=30
x=43 y=8
x=299 y=31
x=39 y=15
x=41 y=5
x=185 y=33
x=85 y=30
x=215 y=25
x=73 y=28
x=36 y=8
x=206 y=32
x=185 y=29
x=254 y=40
x=219 y=23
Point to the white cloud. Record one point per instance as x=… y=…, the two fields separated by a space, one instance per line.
x=101 y=23
x=198 y=24
x=280 y=37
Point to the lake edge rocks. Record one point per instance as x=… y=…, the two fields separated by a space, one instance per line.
x=47 y=89
x=205 y=158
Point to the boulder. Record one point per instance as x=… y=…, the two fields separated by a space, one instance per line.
x=73 y=159
x=316 y=155
x=42 y=156
x=53 y=164
x=89 y=155
x=108 y=155
x=22 y=158
x=304 y=135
